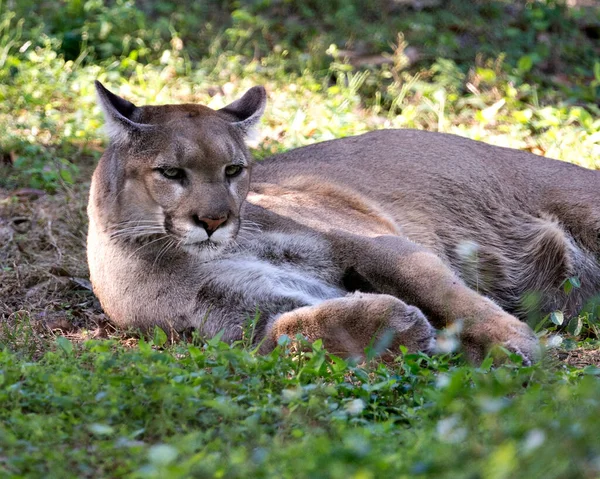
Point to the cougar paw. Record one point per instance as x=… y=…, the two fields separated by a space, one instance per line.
x=413 y=330
x=506 y=331
x=527 y=346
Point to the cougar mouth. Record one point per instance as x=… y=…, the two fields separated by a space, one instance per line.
x=195 y=241
x=209 y=247
x=206 y=250
x=201 y=245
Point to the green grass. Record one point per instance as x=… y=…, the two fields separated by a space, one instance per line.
x=97 y=409
x=513 y=73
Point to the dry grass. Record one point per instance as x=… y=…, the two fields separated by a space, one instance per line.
x=44 y=285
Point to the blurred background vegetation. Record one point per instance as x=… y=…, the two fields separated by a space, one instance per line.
x=519 y=73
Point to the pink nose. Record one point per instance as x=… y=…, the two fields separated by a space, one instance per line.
x=209 y=224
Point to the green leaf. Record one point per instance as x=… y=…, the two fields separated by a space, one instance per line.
x=591 y=370
x=337 y=364
x=159 y=338
x=195 y=353
x=486 y=365
x=525 y=63
x=64 y=344
x=66 y=176
x=144 y=347
x=557 y=317
x=568 y=287
x=317 y=345
x=216 y=339
x=571 y=283
x=486 y=74
x=575 y=326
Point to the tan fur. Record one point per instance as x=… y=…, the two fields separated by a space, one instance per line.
x=342 y=240
x=323 y=206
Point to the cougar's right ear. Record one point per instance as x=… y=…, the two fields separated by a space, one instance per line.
x=118 y=115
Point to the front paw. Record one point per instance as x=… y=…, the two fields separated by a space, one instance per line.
x=411 y=329
x=501 y=330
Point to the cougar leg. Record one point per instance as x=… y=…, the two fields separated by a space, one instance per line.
x=397 y=266
x=349 y=324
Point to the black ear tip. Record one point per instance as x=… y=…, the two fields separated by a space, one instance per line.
x=102 y=91
x=113 y=104
x=99 y=86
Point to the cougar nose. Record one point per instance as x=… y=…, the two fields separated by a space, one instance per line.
x=210 y=225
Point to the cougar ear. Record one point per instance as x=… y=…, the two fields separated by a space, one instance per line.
x=118 y=114
x=245 y=112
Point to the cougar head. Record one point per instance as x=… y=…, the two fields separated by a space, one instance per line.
x=176 y=171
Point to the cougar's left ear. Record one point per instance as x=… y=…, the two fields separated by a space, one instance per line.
x=245 y=112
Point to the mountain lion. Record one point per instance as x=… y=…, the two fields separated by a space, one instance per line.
x=394 y=230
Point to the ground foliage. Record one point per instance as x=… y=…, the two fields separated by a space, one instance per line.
x=98 y=408
x=79 y=399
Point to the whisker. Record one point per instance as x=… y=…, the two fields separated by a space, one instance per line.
x=250 y=228
x=136 y=233
x=148 y=226
x=125 y=224
x=250 y=224
x=162 y=251
x=148 y=244
x=137 y=229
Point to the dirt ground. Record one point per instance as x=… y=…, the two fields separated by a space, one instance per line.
x=42 y=258
x=579 y=358
x=44 y=281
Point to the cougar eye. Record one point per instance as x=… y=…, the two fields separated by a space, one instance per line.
x=231 y=171
x=172 y=173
